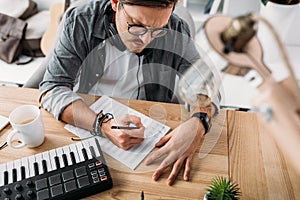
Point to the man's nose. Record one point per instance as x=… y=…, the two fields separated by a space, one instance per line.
x=146 y=38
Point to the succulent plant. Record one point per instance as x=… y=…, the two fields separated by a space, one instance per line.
x=222 y=189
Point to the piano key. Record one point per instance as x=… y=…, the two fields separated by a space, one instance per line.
x=94 y=147
x=73 y=149
x=57 y=163
x=66 y=150
x=36 y=168
x=6 y=178
x=25 y=164
x=10 y=166
x=23 y=172
x=14 y=175
x=31 y=161
x=45 y=168
x=46 y=157
x=65 y=160
x=2 y=170
x=59 y=152
x=17 y=165
x=84 y=153
x=79 y=150
x=38 y=159
x=98 y=145
x=52 y=155
x=86 y=146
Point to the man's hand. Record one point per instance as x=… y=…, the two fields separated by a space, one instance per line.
x=178 y=149
x=124 y=139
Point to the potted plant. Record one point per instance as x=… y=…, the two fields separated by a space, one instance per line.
x=222 y=188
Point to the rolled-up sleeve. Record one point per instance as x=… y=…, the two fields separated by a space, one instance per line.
x=57 y=99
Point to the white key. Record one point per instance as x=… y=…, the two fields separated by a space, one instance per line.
x=59 y=153
x=86 y=145
x=74 y=150
x=79 y=150
x=31 y=160
x=66 y=150
x=38 y=159
x=25 y=163
x=52 y=154
x=2 y=170
x=9 y=167
x=93 y=144
x=46 y=157
x=17 y=165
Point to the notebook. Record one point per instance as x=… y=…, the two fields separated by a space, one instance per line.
x=154 y=131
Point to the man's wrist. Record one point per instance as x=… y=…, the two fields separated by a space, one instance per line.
x=204 y=119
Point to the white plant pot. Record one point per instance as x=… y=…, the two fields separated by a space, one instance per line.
x=205 y=196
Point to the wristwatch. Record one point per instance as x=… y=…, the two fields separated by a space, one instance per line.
x=204 y=119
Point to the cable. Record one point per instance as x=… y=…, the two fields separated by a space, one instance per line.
x=137 y=78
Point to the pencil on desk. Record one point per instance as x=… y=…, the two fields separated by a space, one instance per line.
x=125 y=127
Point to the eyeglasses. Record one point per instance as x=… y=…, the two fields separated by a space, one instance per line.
x=138 y=30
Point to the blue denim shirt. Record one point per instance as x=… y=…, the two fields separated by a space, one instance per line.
x=79 y=57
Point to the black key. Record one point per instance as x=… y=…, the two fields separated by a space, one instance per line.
x=57 y=162
x=36 y=168
x=92 y=151
x=44 y=164
x=84 y=153
x=14 y=174
x=73 y=158
x=23 y=173
x=65 y=160
x=5 y=177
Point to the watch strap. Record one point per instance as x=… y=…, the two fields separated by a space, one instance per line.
x=204 y=119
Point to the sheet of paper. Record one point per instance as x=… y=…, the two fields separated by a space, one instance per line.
x=3 y=122
x=135 y=155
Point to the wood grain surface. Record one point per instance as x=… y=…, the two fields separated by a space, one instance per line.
x=212 y=159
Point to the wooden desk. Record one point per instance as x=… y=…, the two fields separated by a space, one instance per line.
x=241 y=149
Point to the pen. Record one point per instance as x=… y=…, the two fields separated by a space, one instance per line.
x=125 y=127
x=142 y=195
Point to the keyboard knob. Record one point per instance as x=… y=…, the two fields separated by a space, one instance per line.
x=7 y=191
x=30 y=183
x=18 y=187
x=18 y=197
x=30 y=193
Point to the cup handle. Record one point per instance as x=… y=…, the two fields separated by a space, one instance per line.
x=10 y=137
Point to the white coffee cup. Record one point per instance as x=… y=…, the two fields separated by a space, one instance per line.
x=28 y=125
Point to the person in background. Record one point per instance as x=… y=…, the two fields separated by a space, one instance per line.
x=132 y=49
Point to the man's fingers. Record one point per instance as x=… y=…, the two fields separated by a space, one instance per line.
x=155 y=156
x=158 y=172
x=132 y=119
x=163 y=140
x=188 y=169
x=175 y=170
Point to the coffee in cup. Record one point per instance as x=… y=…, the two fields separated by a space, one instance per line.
x=28 y=126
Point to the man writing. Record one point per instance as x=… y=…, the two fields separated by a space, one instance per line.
x=130 y=49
